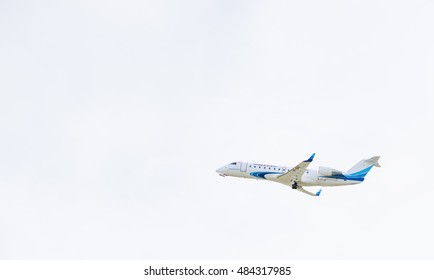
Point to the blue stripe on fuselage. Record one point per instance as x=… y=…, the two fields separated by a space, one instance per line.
x=345 y=178
x=262 y=174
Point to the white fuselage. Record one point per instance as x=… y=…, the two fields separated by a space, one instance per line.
x=271 y=172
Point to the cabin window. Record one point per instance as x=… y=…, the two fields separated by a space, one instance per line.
x=233 y=163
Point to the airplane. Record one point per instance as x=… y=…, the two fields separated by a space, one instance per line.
x=300 y=176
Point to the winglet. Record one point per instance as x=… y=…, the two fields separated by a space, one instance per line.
x=311 y=158
x=318 y=192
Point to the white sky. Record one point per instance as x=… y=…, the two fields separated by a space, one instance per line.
x=114 y=116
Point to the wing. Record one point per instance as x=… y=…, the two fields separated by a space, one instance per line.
x=295 y=174
x=309 y=193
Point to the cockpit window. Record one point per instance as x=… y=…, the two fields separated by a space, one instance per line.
x=233 y=163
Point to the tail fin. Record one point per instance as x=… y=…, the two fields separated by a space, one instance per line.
x=362 y=167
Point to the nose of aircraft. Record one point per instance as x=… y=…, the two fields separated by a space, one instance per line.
x=220 y=171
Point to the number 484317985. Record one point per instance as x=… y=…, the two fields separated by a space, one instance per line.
x=264 y=270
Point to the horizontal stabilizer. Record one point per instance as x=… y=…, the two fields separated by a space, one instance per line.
x=375 y=160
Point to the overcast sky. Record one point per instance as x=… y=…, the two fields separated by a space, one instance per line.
x=114 y=116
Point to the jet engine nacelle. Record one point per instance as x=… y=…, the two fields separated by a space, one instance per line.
x=327 y=171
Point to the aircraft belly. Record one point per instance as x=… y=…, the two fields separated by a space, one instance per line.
x=308 y=182
x=334 y=182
